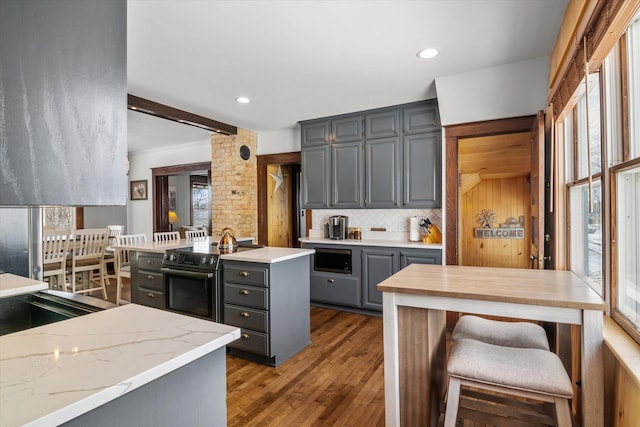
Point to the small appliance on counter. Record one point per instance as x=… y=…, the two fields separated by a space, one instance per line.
x=338 y=227
x=227 y=243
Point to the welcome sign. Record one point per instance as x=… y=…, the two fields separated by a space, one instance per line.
x=510 y=229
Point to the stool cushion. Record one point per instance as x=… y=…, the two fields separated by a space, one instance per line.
x=510 y=334
x=518 y=368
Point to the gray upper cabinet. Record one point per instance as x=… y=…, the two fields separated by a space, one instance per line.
x=63 y=99
x=422 y=170
x=347 y=175
x=382 y=125
x=383 y=168
x=346 y=129
x=317 y=132
x=421 y=118
x=315 y=177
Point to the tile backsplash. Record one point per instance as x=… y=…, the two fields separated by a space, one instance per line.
x=391 y=219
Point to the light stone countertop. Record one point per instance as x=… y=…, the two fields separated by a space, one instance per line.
x=268 y=254
x=54 y=373
x=10 y=285
x=373 y=242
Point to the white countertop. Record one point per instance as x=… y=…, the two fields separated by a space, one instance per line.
x=161 y=247
x=54 y=373
x=373 y=242
x=268 y=254
x=10 y=285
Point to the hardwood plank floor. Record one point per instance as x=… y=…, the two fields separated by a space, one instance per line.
x=337 y=380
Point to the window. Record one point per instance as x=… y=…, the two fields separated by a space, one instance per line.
x=200 y=204
x=633 y=73
x=592 y=147
x=59 y=218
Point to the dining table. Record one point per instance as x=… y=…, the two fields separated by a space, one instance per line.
x=415 y=302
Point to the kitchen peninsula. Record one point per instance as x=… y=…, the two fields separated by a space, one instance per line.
x=131 y=365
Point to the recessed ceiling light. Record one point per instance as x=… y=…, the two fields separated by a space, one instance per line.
x=427 y=53
x=243 y=100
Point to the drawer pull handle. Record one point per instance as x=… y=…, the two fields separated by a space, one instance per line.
x=244 y=292
x=244 y=314
x=149 y=261
x=150 y=295
x=244 y=336
x=243 y=273
x=331 y=280
x=150 y=277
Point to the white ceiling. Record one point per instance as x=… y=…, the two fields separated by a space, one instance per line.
x=305 y=59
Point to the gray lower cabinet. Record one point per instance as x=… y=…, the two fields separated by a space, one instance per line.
x=347 y=175
x=147 y=285
x=377 y=265
x=270 y=304
x=416 y=256
x=422 y=170
x=315 y=176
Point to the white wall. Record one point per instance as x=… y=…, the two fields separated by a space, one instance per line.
x=509 y=90
x=280 y=141
x=140 y=212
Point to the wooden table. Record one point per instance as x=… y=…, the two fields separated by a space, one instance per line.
x=416 y=299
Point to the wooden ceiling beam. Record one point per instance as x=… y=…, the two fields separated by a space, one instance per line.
x=135 y=103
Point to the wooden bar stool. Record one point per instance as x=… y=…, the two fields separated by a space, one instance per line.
x=509 y=334
x=523 y=372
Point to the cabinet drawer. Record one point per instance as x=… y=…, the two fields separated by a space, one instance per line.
x=149 y=280
x=250 y=296
x=151 y=298
x=253 y=342
x=149 y=262
x=244 y=317
x=245 y=274
x=332 y=289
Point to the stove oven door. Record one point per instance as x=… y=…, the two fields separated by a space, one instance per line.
x=192 y=293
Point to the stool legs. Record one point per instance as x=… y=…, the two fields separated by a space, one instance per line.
x=453 y=400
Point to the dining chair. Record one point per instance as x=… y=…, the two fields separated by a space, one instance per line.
x=190 y=234
x=55 y=248
x=87 y=257
x=122 y=248
x=109 y=258
x=166 y=236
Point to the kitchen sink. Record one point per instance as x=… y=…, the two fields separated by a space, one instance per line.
x=27 y=311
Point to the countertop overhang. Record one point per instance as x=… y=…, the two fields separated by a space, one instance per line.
x=268 y=254
x=54 y=373
x=373 y=242
x=11 y=285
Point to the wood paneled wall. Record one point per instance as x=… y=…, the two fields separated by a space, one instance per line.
x=279 y=206
x=508 y=197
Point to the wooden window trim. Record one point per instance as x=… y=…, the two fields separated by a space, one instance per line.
x=624 y=90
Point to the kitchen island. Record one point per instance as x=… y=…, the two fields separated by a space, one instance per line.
x=11 y=285
x=131 y=365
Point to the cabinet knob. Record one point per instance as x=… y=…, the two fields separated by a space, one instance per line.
x=331 y=280
x=243 y=273
x=150 y=277
x=244 y=314
x=244 y=336
x=150 y=295
x=244 y=292
x=149 y=261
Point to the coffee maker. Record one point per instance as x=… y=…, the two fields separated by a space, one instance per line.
x=338 y=227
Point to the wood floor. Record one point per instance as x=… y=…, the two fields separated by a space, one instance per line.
x=337 y=380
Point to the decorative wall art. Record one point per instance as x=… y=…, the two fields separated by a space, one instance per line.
x=138 y=190
x=172 y=198
x=511 y=229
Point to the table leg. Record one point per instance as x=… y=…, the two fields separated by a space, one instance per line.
x=592 y=366
x=391 y=371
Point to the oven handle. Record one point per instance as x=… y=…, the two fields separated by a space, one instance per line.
x=189 y=274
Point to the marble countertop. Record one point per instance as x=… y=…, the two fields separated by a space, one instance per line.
x=268 y=254
x=54 y=373
x=373 y=242
x=162 y=247
x=10 y=285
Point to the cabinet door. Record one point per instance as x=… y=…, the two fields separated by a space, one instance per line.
x=422 y=118
x=315 y=133
x=383 y=165
x=422 y=170
x=383 y=124
x=347 y=129
x=347 y=175
x=377 y=265
x=315 y=177
x=429 y=256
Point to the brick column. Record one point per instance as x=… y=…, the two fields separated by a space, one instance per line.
x=234 y=184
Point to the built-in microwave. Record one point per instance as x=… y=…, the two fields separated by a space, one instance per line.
x=332 y=260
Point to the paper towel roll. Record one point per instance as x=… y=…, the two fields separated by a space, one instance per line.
x=414 y=229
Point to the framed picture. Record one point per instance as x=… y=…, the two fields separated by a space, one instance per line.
x=139 y=190
x=172 y=198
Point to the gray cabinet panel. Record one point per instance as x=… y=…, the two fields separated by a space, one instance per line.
x=335 y=289
x=422 y=118
x=422 y=170
x=316 y=133
x=147 y=284
x=377 y=265
x=383 y=124
x=315 y=177
x=63 y=103
x=383 y=173
x=408 y=256
x=347 y=175
x=346 y=129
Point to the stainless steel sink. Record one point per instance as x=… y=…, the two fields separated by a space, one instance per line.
x=26 y=311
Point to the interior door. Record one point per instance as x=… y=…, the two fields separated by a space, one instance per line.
x=537 y=256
